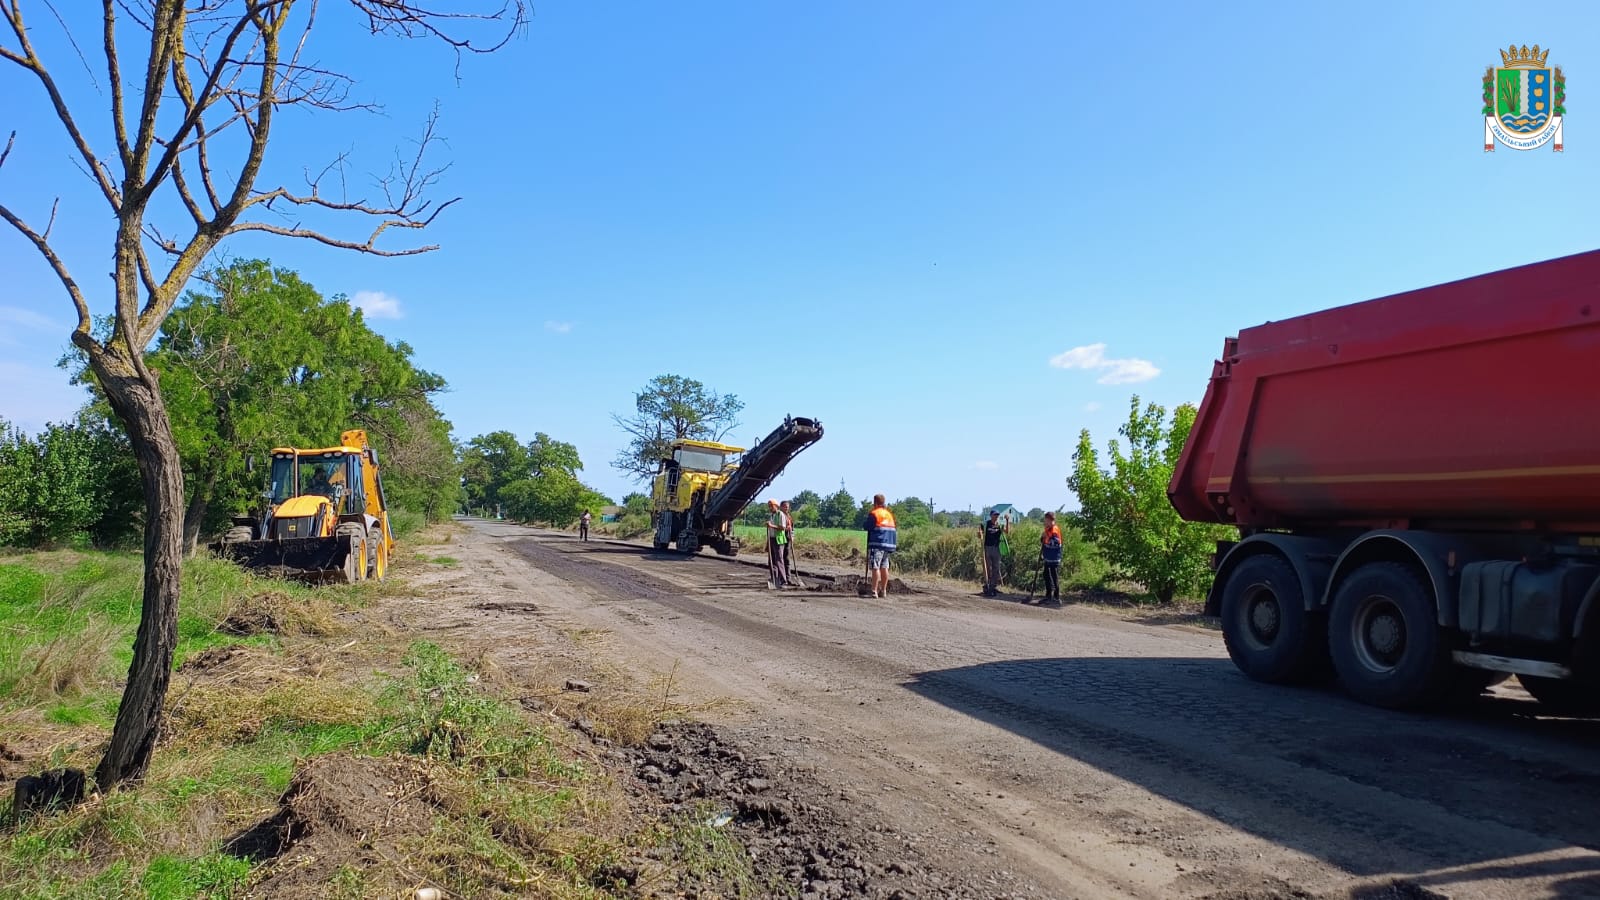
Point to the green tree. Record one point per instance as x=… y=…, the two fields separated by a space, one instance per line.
x=421 y=471
x=806 y=516
x=545 y=454
x=489 y=462
x=637 y=503
x=1125 y=510
x=74 y=480
x=262 y=360
x=554 y=498
x=838 y=510
x=805 y=498
x=910 y=511
x=672 y=408
x=549 y=490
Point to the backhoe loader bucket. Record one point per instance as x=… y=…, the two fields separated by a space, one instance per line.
x=315 y=559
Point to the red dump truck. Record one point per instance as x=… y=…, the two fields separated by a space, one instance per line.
x=1416 y=484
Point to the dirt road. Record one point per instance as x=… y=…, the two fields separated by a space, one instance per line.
x=1058 y=752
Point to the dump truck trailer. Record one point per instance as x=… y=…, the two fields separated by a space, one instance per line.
x=699 y=491
x=1415 y=480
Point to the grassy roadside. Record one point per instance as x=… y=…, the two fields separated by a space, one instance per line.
x=295 y=710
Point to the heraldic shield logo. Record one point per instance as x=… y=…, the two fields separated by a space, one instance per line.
x=1523 y=101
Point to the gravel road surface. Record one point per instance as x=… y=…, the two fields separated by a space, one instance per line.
x=1060 y=752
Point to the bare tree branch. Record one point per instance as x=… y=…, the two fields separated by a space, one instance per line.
x=114 y=69
x=369 y=247
x=42 y=243
x=29 y=60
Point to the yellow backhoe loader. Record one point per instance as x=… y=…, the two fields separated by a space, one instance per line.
x=326 y=517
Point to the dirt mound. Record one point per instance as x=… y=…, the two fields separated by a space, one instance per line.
x=256 y=615
x=854 y=584
x=797 y=834
x=209 y=659
x=338 y=811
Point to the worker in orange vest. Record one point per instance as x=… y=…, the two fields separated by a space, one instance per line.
x=1050 y=547
x=880 y=546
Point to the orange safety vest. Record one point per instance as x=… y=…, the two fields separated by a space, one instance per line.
x=881 y=533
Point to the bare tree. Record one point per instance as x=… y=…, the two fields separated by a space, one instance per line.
x=215 y=73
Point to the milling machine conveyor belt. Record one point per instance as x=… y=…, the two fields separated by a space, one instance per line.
x=760 y=465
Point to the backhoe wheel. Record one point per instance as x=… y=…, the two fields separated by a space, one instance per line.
x=355 y=568
x=381 y=566
x=1269 y=633
x=238 y=534
x=1385 y=638
x=371 y=561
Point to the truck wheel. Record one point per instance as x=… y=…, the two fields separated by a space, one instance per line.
x=238 y=534
x=1562 y=695
x=1385 y=639
x=1269 y=633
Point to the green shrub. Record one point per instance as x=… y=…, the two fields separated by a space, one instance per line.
x=404 y=522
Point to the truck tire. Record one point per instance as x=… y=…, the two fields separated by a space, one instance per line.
x=238 y=534
x=1269 y=633
x=1385 y=639
x=1562 y=695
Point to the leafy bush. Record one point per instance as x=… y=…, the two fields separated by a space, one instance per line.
x=957 y=553
x=1125 y=511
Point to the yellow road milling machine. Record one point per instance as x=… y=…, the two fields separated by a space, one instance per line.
x=700 y=490
x=326 y=517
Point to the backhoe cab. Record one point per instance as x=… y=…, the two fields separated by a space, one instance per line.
x=326 y=517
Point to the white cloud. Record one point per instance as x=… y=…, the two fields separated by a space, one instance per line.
x=14 y=319
x=377 y=304
x=31 y=396
x=986 y=465
x=1092 y=357
x=558 y=327
x=1092 y=406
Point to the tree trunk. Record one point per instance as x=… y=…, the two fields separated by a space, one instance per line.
x=135 y=397
x=194 y=517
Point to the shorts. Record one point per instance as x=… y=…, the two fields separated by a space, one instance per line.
x=878 y=558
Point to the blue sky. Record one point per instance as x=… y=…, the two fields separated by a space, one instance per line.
x=889 y=216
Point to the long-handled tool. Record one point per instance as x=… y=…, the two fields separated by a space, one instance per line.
x=1038 y=575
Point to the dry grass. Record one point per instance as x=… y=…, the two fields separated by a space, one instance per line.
x=275 y=612
x=518 y=802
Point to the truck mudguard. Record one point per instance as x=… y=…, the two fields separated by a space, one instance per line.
x=1312 y=559
x=1430 y=550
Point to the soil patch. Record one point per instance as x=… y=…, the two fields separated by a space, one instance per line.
x=209 y=659
x=857 y=584
x=512 y=606
x=821 y=844
x=338 y=811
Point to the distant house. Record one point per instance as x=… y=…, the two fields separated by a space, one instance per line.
x=1009 y=514
x=610 y=513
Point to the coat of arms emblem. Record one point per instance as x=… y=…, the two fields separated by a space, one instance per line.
x=1523 y=100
